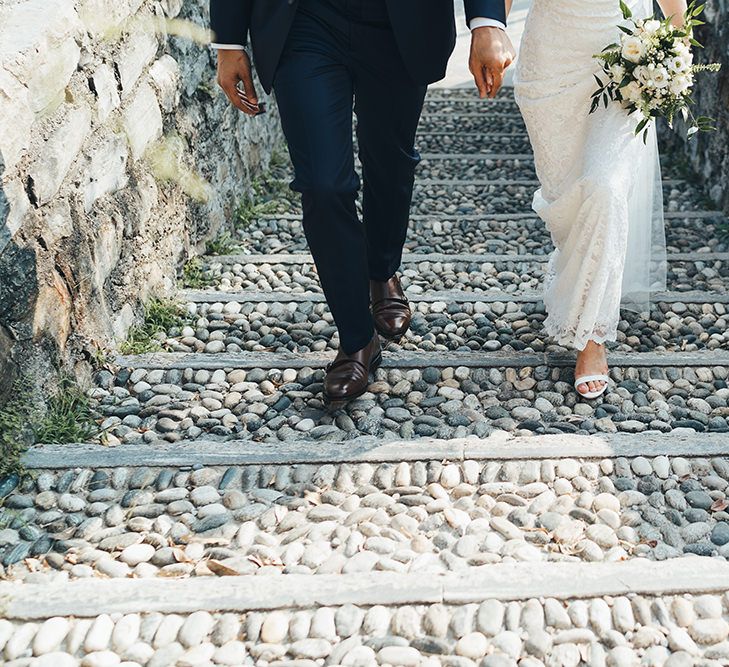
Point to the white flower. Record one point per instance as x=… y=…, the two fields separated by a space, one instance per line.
x=680 y=85
x=652 y=76
x=652 y=26
x=659 y=76
x=631 y=92
x=677 y=64
x=633 y=49
x=681 y=48
x=643 y=75
x=617 y=72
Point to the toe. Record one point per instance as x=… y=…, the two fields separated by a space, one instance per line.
x=583 y=388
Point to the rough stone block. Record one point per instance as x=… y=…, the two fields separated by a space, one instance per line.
x=30 y=31
x=165 y=74
x=53 y=309
x=16 y=119
x=102 y=18
x=57 y=222
x=137 y=51
x=107 y=92
x=58 y=153
x=142 y=120
x=18 y=206
x=106 y=171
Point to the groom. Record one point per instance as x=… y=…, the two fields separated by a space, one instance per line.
x=322 y=57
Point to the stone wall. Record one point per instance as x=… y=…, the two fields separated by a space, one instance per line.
x=118 y=159
x=709 y=152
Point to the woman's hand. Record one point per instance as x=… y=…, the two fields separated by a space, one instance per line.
x=675 y=9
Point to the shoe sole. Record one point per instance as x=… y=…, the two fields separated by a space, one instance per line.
x=394 y=338
x=335 y=403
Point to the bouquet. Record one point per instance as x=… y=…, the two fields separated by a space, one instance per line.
x=651 y=70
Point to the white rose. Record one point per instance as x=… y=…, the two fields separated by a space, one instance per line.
x=643 y=75
x=631 y=92
x=681 y=48
x=660 y=77
x=680 y=85
x=633 y=49
x=652 y=26
x=617 y=72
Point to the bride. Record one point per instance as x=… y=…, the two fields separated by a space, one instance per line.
x=600 y=194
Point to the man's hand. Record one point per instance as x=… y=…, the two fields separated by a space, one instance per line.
x=491 y=53
x=234 y=66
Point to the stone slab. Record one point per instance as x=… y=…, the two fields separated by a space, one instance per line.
x=406 y=359
x=500 y=446
x=513 y=581
x=416 y=258
x=446 y=296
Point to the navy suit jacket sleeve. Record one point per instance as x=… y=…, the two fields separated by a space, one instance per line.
x=230 y=20
x=490 y=9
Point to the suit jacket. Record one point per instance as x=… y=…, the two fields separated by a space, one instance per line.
x=424 y=29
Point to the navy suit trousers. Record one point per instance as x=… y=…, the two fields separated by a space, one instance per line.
x=341 y=56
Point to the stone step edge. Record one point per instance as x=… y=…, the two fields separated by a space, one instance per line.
x=500 y=446
x=447 y=296
x=506 y=582
x=410 y=360
x=500 y=182
x=485 y=217
x=415 y=258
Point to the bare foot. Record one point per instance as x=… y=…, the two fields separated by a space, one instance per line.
x=591 y=361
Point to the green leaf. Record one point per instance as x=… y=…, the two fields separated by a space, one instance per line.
x=626 y=10
x=641 y=126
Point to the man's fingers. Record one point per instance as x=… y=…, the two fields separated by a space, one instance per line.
x=489 y=81
x=480 y=79
x=497 y=78
x=249 y=88
x=231 y=91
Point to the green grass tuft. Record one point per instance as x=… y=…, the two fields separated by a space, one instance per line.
x=160 y=316
x=68 y=417
x=222 y=245
x=16 y=431
x=194 y=275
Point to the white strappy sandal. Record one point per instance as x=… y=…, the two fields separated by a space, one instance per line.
x=592 y=395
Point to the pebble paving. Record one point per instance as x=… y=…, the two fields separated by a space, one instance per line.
x=307 y=326
x=432 y=516
x=623 y=631
x=63 y=527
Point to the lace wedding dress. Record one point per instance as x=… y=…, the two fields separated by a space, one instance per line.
x=600 y=194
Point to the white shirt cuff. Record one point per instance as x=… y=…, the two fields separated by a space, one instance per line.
x=231 y=47
x=482 y=22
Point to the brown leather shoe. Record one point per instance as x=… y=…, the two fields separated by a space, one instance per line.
x=390 y=308
x=348 y=376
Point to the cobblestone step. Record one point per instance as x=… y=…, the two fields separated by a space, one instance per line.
x=497 y=166
x=504 y=234
x=484 y=120
x=473 y=142
x=501 y=196
x=615 y=617
x=456 y=105
x=435 y=516
x=452 y=320
x=471 y=272
x=468 y=93
x=265 y=396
